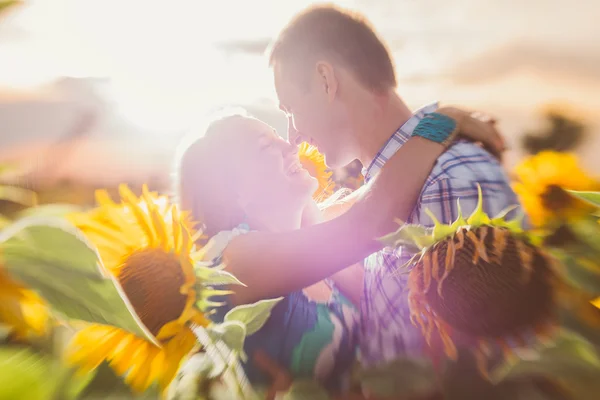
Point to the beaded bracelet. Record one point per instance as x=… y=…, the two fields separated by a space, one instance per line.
x=438 y=128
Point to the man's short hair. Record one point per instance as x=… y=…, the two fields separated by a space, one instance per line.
x=338 y=35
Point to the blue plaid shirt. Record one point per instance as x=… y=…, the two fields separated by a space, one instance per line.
x=386 y=330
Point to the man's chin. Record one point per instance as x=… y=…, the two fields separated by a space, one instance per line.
x=333 y=162
x=330 y=160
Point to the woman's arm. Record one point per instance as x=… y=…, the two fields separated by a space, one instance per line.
x=350 y=282
x=275 y=264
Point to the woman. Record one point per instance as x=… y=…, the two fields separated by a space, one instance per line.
x=241 y=178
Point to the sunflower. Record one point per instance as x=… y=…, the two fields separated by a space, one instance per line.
x=146 y=244
x=543 y=179
x=479 y=282
x=314 y=163
x=23 y=312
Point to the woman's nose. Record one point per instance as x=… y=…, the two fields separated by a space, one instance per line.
x=290 y=150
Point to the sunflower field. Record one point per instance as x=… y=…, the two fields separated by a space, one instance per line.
x=113 y=302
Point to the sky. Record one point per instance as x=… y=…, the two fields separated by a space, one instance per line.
x=165 y=63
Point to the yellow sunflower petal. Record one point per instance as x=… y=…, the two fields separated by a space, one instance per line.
x=175 y=351
x=138 y=373
x=21 y=309
x=188 y=271
x=169 y=330
x=314 y=163
x=91 y=345
x=142 y=218
x=103 y=198
x=186 y=240
x=189 y=310
x=157 y=221
x=539 y=174
x=120 y=357
x=177 y=228
x=139 y=361
x=200 y=319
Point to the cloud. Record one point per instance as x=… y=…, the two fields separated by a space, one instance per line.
x=252 y=47
x=545 y=59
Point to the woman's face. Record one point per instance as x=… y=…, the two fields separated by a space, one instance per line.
x=268 y=168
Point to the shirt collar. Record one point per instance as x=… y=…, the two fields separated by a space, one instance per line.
x=396 y=141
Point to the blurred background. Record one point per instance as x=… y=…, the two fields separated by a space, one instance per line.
x=98 y=92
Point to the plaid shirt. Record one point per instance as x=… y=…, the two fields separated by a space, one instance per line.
x=386 y=330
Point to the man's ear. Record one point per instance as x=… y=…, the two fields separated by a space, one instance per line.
x=327 y=79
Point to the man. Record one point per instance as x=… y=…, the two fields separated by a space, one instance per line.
x=336 y=82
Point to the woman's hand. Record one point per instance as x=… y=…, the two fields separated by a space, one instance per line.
x=477 y=127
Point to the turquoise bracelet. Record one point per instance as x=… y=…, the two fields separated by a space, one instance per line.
x=436 y=127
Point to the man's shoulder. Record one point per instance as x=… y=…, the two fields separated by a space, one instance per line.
x=467 y=161
x=456 y=177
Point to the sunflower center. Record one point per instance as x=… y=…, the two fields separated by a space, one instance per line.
x=505 y=294
x=555 y=198
x=152 y=279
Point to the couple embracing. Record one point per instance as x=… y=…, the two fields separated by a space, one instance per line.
x=342 y=301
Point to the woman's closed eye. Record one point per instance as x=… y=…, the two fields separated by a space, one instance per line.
x=265 y=143
x=266 y=146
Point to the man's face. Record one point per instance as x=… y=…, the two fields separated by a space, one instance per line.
x=314 y=115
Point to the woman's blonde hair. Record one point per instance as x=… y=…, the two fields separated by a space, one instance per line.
x=204 y=177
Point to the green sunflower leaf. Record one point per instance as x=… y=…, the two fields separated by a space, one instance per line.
x=225 y=362
x=107 y=385
x=462 y=379
x=479 y=217
x=413 y=237
x=253 y=316
x=587 y=232
x=215 y=276
x=440 y=230
x=570 y=360
x=583 y=273
x=306 y=389
x=27 y=374
x=53 y=258
x=232 y=333
x=582 y=317
x=193 y=380
x=74 y=387
x=408 y=377
x=48 y=210
x=590 y=197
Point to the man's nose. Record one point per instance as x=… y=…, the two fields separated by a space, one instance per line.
x=290 y=150
x=293 y=134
